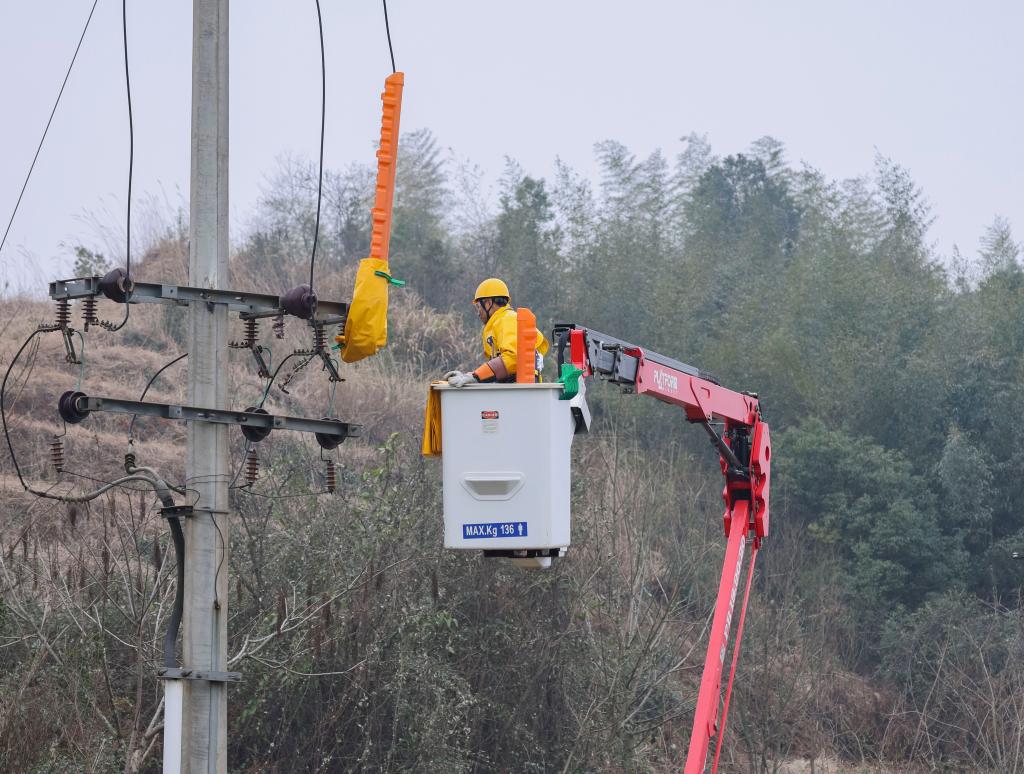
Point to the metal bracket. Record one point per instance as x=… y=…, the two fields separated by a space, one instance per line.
x=177 y=511
x=208 y=675
x=83 y=405
x=250 y=304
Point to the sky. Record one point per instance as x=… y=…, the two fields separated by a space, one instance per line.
x=935 y=86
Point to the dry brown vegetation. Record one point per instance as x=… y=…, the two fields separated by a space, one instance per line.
x=366 y=647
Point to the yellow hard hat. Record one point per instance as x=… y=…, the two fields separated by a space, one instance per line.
x=491 y=288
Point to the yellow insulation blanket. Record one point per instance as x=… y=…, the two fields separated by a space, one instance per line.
x=366 y=329
x=432 y=423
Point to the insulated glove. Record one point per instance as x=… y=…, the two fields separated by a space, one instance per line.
x=458 y=378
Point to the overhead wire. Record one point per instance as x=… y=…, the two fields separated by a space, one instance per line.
x=323 y=124
x=131 y=426
x=387 y=28
x=49 y=121
x=266 y=394
x=3 y=414
x=131 y=165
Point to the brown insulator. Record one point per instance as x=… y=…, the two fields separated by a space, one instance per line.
x=252 y=331
x=252 y=466
x=279 y=326
x=331 y=476
x=57 y=453
x=89 y=311
x=319 y=338
x=63 y=312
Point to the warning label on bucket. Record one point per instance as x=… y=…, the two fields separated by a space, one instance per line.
x=489 y=421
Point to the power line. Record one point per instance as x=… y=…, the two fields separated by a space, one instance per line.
x=131 y=426
x=131 y=140
x=3 y=414
x=323 y=122
x=131 y=166
x=49 y=121
x=387 y=28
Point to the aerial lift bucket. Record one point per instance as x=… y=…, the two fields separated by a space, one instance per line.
x=506 y=468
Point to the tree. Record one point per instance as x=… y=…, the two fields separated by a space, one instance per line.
x=88 y=263
x=999 y=252
x=879 y=514
x=528 y=242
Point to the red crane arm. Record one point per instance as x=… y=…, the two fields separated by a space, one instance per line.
x=744 y=449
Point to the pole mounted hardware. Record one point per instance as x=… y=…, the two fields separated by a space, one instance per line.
x=256 y=424
x=117 y=285
x=247 y=304
x=252 y=343
x=173 y=673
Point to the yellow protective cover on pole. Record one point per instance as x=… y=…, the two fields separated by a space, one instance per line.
x=432 y=423
x=366 y=327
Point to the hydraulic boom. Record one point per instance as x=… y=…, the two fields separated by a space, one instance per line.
x=745 y=453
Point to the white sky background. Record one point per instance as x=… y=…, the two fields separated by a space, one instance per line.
x=937 y=86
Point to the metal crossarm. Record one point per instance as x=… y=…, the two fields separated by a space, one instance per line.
x=256 y=304
x=83 y=405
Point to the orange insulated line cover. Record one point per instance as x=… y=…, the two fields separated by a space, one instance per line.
x=526 y=346
x=387 y=158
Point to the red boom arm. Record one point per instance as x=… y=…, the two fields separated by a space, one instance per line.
x=745 y=454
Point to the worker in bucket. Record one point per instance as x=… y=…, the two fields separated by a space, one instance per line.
x=499 y=338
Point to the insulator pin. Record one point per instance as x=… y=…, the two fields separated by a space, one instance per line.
x=319 y=339
x=330 y=476
x=252 y=466
x=252 y=334
x=57 y=453
x=89 y=312
x=63 y=313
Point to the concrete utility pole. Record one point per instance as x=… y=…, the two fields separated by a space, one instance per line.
x=204 y=646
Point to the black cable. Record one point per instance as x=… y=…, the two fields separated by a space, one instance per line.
x=14 y=457
x=277 y=370
x=42 y=139
x=223 y=551
x=131 y=167
x=323 y=123
x=179 y=593
x=131 y=426
x=126 y=487
x=245 y=453
x=3 y=416
x=387 y=29
x=266 y=394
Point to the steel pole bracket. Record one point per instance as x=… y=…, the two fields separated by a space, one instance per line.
x=207 y=675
